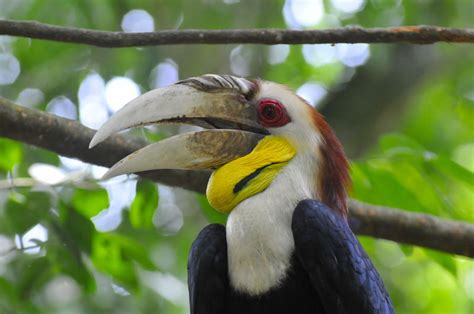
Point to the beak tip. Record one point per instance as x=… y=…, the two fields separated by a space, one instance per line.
x=97 y=138
x=106 y=176
x=117 y=169
x=112 y=172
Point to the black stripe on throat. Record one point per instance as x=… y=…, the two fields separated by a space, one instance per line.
x=242 y=183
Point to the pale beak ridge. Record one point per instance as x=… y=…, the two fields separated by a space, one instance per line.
x=231 y=118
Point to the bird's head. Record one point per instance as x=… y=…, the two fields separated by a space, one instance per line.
x=255 y=130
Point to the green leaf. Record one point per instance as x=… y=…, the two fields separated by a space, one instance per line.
x=27 y=211
x=90 y=202
x=144 y=204
x=79 y=228
x=108 y=257
x=211 y=214
x=35 y=274
x=406 y=249
x=444 y=260
x=11 y=153
x=374 y=183
x=396 y=140
x=115 y=255
x=68 y=260
x=454 y=170
x=7 y=289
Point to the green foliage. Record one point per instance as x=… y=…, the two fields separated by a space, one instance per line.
x=116 y=255
x=144 y=205
x=90 y=202
x=11 y=153
x=23 y=211
x=408 y=176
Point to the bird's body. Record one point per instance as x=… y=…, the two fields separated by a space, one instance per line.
x=323 y=276
x=282 y=176
x=211 y=292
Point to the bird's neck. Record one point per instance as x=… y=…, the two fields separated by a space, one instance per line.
x=259 y=237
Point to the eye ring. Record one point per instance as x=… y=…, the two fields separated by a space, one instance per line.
x=272 y=113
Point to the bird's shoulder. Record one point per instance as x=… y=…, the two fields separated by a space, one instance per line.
x=336 y=262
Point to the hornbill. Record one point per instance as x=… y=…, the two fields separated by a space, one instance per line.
x=281 y=175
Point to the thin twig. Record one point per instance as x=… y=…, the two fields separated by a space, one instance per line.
x=409 y=34
x=70 y=138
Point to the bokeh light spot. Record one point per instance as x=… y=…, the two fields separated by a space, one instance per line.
x=138 y=21
x=168 y=286
x=319 y=55
x=168 y=217
x=30 y=97
x=62 y=107
x=164 y=74
x=353 y=55
x=313 y=93
x=121 y=195
x=62 y=290
x=278 y=53
x=38 y=232
x=239 y=60
x=9 y=68
x=92 y=107
x=47 y=174
x=119 y=91
x=303 y=13
x=72 y=163
x=348 y=6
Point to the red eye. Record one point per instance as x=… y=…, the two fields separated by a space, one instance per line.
x=271 y=113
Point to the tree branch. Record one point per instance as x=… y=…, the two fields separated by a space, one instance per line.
x=412 y=228
x=70 y=138
x=410 y=34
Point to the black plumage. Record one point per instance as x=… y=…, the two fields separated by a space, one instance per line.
x=329 y=273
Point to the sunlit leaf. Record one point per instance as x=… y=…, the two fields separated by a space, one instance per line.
x=446 y=261
x=373 y=183
x=144 y=205
x=455 y=170
x=90 y=202
x=11 y=153
x=116 y=255
x=108 y=257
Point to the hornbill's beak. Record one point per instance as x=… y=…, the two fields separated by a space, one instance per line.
x=208 y=101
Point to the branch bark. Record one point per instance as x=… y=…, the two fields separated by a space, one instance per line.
x=410 y=34
x=412 y=228
x=70 y=138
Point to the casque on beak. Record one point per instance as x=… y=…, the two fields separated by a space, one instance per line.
x=221 y=104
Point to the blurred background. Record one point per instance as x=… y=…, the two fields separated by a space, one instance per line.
x=70 y=243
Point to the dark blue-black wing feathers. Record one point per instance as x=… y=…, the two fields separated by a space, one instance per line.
x=340 y=270
x=207 y=271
